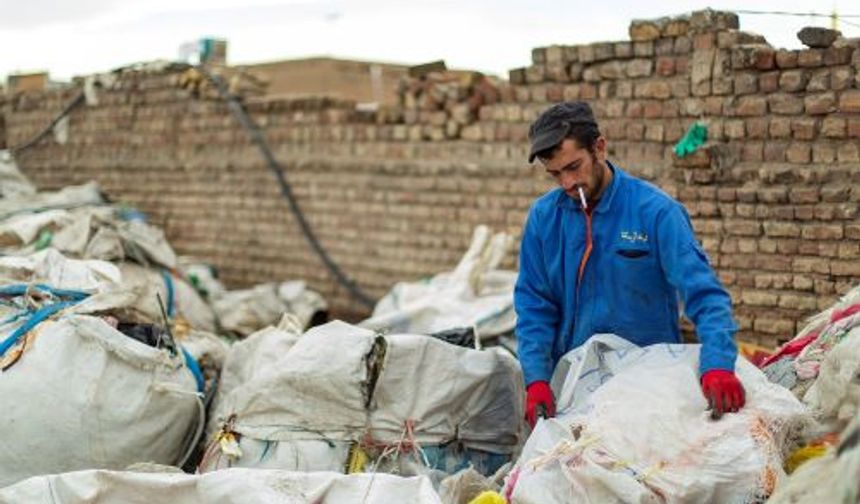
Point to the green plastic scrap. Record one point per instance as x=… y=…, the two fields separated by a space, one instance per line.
x=44 y=240
x=693 y=139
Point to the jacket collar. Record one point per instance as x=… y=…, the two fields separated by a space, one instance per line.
x=606 y=201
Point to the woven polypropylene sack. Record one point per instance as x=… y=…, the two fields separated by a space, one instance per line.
x=633 y=427
x=84 y=395
x=231 y=486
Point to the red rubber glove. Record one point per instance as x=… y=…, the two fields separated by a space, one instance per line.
x=723 y=391
x=539 y=401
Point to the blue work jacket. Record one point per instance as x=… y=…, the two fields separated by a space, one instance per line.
x=644 y=260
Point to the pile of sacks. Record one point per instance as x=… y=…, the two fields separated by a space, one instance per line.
x=472 y=305
x=821 y=366
x=112 y=339
x=343 y=398
x=820 y=363
x=108 y=353
x=93 y=374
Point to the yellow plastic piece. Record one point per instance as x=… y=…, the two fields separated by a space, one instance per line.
x=357 y=460
x=229 y=445
x=488 y=498
x=803 y=454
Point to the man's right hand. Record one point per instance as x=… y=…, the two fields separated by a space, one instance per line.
x=539 y=402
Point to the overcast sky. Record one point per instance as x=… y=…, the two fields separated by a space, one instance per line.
x=77 y=37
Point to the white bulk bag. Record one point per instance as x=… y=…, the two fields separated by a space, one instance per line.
x=339 y=385
x=633 y=428
x=84 y=395
x=53 y=268
x=179 y=298
x=248 y=310
x=474 y=295
x=231 y=486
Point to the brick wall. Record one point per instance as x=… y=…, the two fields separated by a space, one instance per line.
x=395 y=194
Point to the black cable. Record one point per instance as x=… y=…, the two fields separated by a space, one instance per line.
x=78 y=100
x=257 y=137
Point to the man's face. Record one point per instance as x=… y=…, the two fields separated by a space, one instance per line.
x=573 y=166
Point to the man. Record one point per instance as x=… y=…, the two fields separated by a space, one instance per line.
x=609 y=253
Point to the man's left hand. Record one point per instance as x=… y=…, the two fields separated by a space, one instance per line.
x=723 y=392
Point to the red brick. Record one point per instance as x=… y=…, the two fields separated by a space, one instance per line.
x=799 y=195
x=759 y=298
x=833 y=127
x=804 y=212
x=746 y=83
x=793 y=80
x=824 y=212
x=652 y=109
x=780 y=127
x=823 y=152
x=714 y=105
x=785 y=104
x=757 y=127
x=635 y=131
x=810 y=58
x=842 y=78
x=774 y=151
x=768 y=82
x=849 y=102
x=554 y=92
x=853 y=128
x=654 y=132
x=803 y=128
x=782 y=229
x=848 y=152
x=752 y=151
x=845 y=268
x=743 y=228
x=822 y=232
x=838 y=55
x=786 y=59
x=780 y=327
x=747 y=195
x=750 y=106
x=734 y=129
x=640 y=67
x=819 y=80
x=659 y=89
x=588 y=91
x=819 y=104
x=665 y=66
x=764 y=58
x=787 y=247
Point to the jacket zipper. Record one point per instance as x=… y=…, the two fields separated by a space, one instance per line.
x=589 y=245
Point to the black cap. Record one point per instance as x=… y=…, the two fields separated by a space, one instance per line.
x=551 y=127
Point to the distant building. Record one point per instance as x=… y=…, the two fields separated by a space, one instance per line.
x=362 y=81
x=36 y=81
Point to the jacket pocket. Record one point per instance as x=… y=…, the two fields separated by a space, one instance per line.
x=632 y=253
x=637 y=286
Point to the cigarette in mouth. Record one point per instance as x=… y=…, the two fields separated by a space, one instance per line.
x=582 y=198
